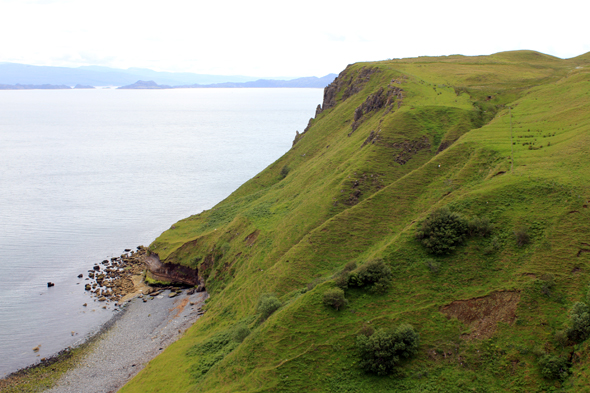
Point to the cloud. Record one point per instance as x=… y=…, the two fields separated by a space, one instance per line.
x=264 y=38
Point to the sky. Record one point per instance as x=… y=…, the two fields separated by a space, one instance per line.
x=279 y=38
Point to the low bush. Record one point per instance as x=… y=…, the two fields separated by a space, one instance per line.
x=561 y=338
x=442 y=231
x=579 y=329
x=375 y=273
x=284 y=172
x=341 y=278
x=367 y=330
x=383 y=350
x=350 y=266
x=268 y=304
x=547 y=283
x=334 y=298
x=241 y=332
x=553 y=367
x=341 y=281
x=522 y=236
x=480 y=226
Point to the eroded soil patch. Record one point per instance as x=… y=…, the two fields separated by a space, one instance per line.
x=482 y=314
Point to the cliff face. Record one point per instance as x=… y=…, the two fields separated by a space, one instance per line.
x=174 y=273
x=502 y=138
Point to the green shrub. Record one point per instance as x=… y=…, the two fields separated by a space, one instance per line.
x=350 y=266
x=341 y=281
x=580 y=322
x=375 y=273
x=522 y=236
x=553 y=367
x=480 y=226
x=383 y=350
x=561 y=338
x=334 y=298
x=442 y=231
x=547 y=283
x=284 y=172
x=268 y=304
x=241 y=332
x=367 y=330
x=342 y=278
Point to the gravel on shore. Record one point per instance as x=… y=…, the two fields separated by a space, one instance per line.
x=142 y=332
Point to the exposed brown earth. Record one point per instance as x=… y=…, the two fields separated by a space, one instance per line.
x=482 y=314
x=173 y=273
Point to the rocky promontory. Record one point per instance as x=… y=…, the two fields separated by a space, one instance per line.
x=119 y=278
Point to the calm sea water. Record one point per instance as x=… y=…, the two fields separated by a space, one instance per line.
x=85 y=174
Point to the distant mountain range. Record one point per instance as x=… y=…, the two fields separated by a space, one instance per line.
x=13 y=74
x=311 y=81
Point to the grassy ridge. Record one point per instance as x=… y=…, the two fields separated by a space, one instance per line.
x=502 y=136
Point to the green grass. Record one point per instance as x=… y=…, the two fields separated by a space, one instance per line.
x=44 y=375
x=342 y=202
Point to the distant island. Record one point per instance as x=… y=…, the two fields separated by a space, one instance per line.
x=293 y=83
x=145 y=85
x=79 y=86
x=18 y=86
x=311 y=81
x=25 y=74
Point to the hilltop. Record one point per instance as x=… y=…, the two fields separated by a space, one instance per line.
x=497 y=143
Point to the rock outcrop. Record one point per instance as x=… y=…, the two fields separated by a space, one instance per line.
x=173 y=273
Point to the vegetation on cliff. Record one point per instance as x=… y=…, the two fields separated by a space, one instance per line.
x=403 y=154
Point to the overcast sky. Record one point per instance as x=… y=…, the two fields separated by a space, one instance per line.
x=276 y=38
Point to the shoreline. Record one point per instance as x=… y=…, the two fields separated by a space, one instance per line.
x=58 y=372
x=127 y=342
x=118 y=312
x=68 y=354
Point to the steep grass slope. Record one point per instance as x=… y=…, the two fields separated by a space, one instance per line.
x=504 y=136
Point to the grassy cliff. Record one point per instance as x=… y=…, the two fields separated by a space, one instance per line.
x=503 y=137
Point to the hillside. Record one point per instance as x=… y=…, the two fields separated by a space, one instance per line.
x=501 y=137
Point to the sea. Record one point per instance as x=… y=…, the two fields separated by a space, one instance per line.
x=86 y=174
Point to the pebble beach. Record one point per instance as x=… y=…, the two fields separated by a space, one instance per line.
x=142 y=330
